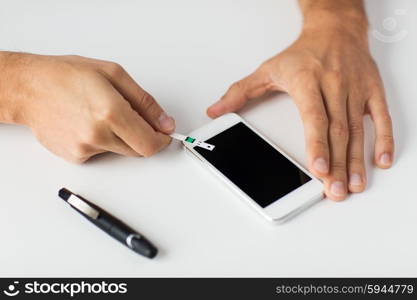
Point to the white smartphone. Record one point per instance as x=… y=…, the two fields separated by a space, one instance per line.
x=258 y=171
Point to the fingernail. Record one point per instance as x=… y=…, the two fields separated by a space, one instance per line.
x=166 y=122
x=337 y=188
x=355 y=179
x=385 y=159
x=320 y=165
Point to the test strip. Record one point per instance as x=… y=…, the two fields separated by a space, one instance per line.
x=192 y=140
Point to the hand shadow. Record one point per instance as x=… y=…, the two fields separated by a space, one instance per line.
x=106 y=157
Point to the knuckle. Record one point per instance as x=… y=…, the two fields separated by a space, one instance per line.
x=237 y=88
x=319 y=144
x=264 y=67
x=146 y=102
x=317 y=119
x=356 y=128
x=106 y=113
x=114 y=69
x=387 y=138
x=238 y=85
x=386 y=118
x=80 y=153
x=375 y=88
x=317 y=65
x=335 y=76
x=93 y=136
x=303 y=78
x=338 y=129
x=334 y=81
x=356 y=159
x=338 y=166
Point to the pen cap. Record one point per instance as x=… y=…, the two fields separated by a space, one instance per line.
x=143 y=247
x=64 y=194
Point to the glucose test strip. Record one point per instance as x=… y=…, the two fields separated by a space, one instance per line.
x=192 y=140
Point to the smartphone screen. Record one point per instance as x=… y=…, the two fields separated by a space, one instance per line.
x=253 y=165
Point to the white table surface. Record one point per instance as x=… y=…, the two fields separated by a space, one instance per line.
x=186 y=53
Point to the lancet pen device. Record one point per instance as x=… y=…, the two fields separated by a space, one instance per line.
x=109 y=224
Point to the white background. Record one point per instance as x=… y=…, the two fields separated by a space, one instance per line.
x=186 y=53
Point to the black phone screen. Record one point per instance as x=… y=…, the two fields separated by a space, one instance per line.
x=253 y=165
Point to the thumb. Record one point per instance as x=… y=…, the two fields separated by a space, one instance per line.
x=150 y=110
x=143 y=103
x=252 y=86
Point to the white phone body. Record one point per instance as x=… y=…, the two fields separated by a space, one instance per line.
x=283 y=208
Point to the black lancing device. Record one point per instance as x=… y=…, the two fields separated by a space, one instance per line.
x=109 y=224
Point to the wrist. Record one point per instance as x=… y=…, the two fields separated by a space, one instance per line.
x=348 y=22
x=11 y=110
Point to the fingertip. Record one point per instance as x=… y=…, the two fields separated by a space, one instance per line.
x=384 y=160
x=336 y=191
x=161 y=141
x=211 y=112
x=166 y=139
x=216 y=110
x=356 y=188
x=335 y=198
x=166 y=123
x=357 y=183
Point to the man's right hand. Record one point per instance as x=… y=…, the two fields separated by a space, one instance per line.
x=78 y=107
